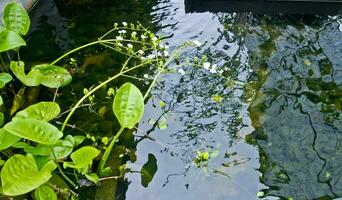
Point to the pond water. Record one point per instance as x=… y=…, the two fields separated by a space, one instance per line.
x=277 y=132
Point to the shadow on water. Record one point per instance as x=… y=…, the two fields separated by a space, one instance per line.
x=289 y=74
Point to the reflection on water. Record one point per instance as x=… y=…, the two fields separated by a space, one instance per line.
x=288 y=71
x=297 y=109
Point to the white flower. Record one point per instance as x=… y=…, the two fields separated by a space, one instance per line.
x=159 y=54
x=129 y=45
x=124 y=23
x=119 y=38
x=145 y=75
x=134 y=33
x=141 y=52
x=197 y=43
x=166 y=53
x=151 y=56
x=154 y=38
x=206 y=65
x=122 y=31
x=142 y=58
x=181 y=71
x=120 y=44
x=143 y=37
x=213 y=69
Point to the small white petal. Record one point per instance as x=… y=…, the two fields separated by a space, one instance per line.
x=145 y=75
x=151 y=56
x=213 y=70
x=206 y=65
x=143 y=37
x=181 y=71
x=129 y=45
x=134 y=33
x=141 y=52
x=124 y=23
x=166 y=53
x=119 y=38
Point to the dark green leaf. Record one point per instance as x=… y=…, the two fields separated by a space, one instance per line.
x=148 y=170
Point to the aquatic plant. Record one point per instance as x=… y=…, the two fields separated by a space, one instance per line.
x=32 y=147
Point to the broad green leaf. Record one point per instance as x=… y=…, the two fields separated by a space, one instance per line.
x=32 y=79
x=20 y=174
x=48 y=75
x=82 y=157
x=148 y=170
x=15 y=18
x=128 y=105
x=4 y=79
x=52 y=75
x=41 y=111
x=7 y=139
x=44 y=192
x=35 y=130
x=93 y=178
x=10 y=40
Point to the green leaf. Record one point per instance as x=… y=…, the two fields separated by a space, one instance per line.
x=4 y=79
x=44 y=111
x=93 y=178
x=44 y=192
x=82 y=157
x=20 y=175
x=162 y=123
x=2 y=116
x=35 y=130
x=32 y=79
x=128 y=105
x=148 y=170
x=79 y=139
x=48 y=75
x=10 y=40
x=52 y=75
x=7 y=139
x=2 y=162
x=15 y=18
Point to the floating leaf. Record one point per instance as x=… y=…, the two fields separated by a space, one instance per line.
x=35 y=130
x=4 y=79
x=44 y=192
x=41 y=111
x=128 y=105
x=7 y=139
x=52 y=75
x=10 y=40
x=148 y=170
x=82 y=157
x=20 y=174
x=15 y=18
x=162 y=123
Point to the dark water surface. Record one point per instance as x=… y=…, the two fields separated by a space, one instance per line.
x=278 y=131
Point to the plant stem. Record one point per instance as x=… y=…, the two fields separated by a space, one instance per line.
x=108 y=150
x=62 y=173
x=94 y=89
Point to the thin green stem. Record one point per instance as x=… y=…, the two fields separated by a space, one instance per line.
x=3 y=66
x=62 y=173
x=109 y=150
x=18 y=55
x=95 y=89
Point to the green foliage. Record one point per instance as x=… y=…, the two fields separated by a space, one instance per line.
x=128 y=105
x=16 y=19
x=82 y=157
x=44 y=111
x=20 y=174
x=148 y=170
x=48 y=75
x=7 y=139
x=4 y=79
x=34 y=130
x=10 y=40
x=44 y=192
